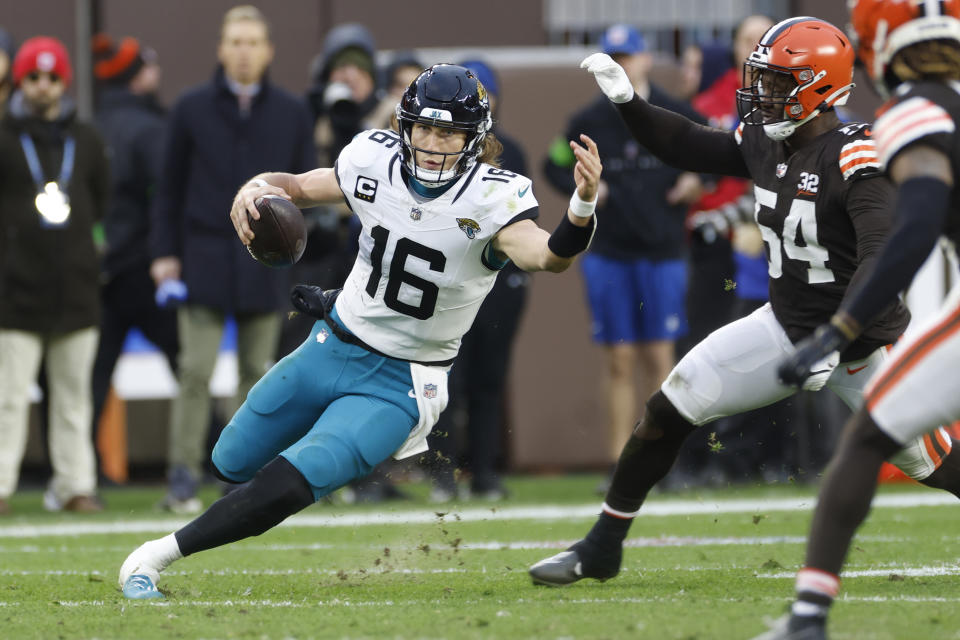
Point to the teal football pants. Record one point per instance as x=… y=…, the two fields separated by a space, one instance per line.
x=332 y=409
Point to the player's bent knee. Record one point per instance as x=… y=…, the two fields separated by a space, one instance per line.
x=328 y=464
x=662 y=420
x=220 y=475
x=231 y=457
x=694 y=388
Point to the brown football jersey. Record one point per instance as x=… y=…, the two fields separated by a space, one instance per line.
x=815 y=208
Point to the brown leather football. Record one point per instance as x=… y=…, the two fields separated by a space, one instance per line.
x=280 y=235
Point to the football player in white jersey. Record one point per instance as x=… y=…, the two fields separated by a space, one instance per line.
x=439 y=220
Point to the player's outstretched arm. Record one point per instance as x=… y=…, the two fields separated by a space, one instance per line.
x=533 y=249
x=675 y=139
x=309 y=189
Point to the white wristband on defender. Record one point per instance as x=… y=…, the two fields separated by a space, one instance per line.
x=260 y=182
x=580 y=208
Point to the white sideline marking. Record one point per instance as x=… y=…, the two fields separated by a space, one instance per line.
x=665 y=541
x=480 y=514
x=251 y=572
x=487 y=545
x=882 y=570
x=910 y=572
x=336 y=602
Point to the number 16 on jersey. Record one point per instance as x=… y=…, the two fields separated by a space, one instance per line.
x=398 y=275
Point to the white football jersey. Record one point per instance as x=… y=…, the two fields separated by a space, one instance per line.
x=422 y=270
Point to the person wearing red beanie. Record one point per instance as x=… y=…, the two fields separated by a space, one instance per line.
x=53 y=186
x=42 y=54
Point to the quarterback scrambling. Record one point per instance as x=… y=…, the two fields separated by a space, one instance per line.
x=439 y=220
x=821 y=204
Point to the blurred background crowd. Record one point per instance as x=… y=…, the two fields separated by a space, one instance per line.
x=132 y=321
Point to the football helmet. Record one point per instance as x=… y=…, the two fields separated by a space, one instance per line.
x=880 y=28
x=450 y=96
x=800 y=68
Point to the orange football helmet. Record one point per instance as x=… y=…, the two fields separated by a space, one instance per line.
x=800 y=68
x=880 y=28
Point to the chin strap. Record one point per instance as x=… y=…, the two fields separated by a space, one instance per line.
x=780 y=131
x=783 y=130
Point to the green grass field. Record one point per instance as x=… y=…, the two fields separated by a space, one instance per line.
x=703 y=565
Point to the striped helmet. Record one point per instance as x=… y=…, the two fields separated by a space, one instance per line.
x=800 y=68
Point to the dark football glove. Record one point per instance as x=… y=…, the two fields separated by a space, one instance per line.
x=812 y=358
x=313 y=301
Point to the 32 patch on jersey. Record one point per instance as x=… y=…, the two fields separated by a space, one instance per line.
x=366 y=189
x=809 y=184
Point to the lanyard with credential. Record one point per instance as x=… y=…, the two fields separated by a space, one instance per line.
x=51 y=200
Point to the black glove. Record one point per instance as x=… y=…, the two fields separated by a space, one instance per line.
x=313 y=301
x=825 y=340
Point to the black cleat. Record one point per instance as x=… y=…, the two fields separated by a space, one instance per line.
x=792 y=627
x=582 y=560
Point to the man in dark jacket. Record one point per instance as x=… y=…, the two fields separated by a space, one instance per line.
x=220 y=133
x=635 y=272
x=53 y=188
x=132 y=123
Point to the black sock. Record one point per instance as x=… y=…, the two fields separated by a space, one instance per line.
x=277 y=491
x=648 y=455
x=947 y=475
x=609 y=531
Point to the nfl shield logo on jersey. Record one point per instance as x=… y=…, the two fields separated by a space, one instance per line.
x=781 y=169
x=469 y=227
x=416 y=213
x=429 y=391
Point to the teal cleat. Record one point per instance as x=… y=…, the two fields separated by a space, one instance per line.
x=140 y=587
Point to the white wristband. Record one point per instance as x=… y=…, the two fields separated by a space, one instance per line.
x=580 y=208
x=260 y=182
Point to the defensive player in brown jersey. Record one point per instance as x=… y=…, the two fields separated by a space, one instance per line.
x=910 y=49
x=822 y=207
